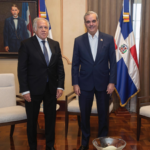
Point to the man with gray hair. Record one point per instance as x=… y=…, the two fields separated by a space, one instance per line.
x=41 y=77
x=93 y=52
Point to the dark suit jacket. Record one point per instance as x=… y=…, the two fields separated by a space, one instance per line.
x=12 y=37
x=94 y=73
x=33 y=71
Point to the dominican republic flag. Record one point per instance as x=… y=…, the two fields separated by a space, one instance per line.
x=26 y=16
x=128 y=82
x=42 y=13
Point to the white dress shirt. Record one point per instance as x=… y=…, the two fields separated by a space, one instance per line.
x=93 y=43
x=49 y=55
x=15 y=23
x=46 y=45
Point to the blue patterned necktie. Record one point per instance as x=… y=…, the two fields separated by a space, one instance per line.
x=45 y=53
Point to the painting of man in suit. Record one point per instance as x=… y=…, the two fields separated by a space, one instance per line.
x=15 y=31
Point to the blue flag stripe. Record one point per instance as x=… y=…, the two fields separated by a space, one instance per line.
x=125 y=85
x=42 y=5
x=126 y=27
x=24 y=10
x=126 y=5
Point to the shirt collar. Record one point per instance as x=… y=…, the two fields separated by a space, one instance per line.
x=95 y=36
x=41 y=39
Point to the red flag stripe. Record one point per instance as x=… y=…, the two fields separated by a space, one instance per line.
x=134 y=54
x=115 y=44
x=39 y=8
x=29 y=26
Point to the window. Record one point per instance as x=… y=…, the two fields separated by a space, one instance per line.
x=136 y=21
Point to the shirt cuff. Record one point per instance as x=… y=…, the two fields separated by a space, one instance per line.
x=60 y=88
x=29 y=91
x=25 y=92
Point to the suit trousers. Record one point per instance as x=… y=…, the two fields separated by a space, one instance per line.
x=85 y=103
x=32 y=111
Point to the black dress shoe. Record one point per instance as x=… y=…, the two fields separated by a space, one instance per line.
x=83 y=147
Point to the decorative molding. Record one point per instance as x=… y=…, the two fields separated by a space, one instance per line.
x=68 y=61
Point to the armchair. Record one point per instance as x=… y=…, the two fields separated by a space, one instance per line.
x=10 y=112
x=143 y=111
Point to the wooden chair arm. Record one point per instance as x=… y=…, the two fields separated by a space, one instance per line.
x=143 y=97
x=70 y=94
x=140 y=104
x=19 y=96
x=144 y=104
x=20 y=101
x=68 y=99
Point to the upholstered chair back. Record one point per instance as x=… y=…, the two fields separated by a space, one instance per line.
x=7 y=90
x=73 y=106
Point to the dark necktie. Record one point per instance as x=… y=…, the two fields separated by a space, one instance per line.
x=45 y=53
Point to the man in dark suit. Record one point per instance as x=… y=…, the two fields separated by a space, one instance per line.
x=15 y=31
x=93 y=52
x=41 y=77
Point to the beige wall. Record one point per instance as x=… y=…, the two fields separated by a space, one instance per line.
x=66 y=18
x=73 y=24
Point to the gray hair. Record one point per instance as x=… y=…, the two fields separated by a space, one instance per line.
x=90 y=12
x=35 y=22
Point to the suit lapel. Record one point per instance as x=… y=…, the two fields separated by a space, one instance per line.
x=52 y=50
x=12 y=23
x=18 y=27
x=87 y=44
x=38 y=48
x=100 y=44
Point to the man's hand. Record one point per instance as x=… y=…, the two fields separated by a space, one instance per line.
x=6 y=48
x=27 y=97
x=110 y=88
x=59 y=93
x=77 y=89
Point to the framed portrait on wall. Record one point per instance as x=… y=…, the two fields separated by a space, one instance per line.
x=15 y=25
